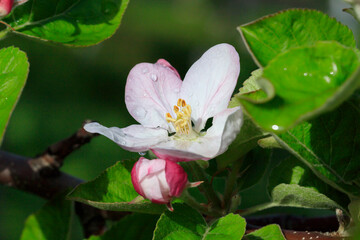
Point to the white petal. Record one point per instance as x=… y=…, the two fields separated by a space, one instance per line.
x=151 y=91
x=226 y=125
x=210 y=82
x=135 y=138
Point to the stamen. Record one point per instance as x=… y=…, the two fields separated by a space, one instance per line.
x=182 y=123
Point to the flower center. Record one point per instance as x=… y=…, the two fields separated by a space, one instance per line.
x=182 y=123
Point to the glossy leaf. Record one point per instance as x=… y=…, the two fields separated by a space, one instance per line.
x=51 y=222
x=114 y=191
x=269 y=232
x=271 y=35
x=134 y=226
x=330 y=146
x=14 y=68
x=308 y=81
x=70 y=22
x=186 y=223
x=292 y=171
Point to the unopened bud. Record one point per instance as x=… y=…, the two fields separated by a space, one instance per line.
x=158 y=180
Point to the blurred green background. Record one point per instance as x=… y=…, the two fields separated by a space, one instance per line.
x=67 y=85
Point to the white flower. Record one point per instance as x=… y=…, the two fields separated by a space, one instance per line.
x=173 y=113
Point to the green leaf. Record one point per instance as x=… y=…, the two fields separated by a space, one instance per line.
x=14 y=69
x=114 y=191
x=51 y=222
x=330 y=146
x=253 y=168
x=269 y=232
x=292 y=171
x=70 y=22
x=186 y=223
x=134 y=226
x=271 y=35
x=293 y=195
x=308 y=81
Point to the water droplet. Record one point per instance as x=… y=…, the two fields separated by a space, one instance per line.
x=327 y=79
x=140 y=112
x=123 y=143
x=127 y=98
x=154 y=77
x=142 y=153
x=145 y=70
x=275 y=127
x=145 y=95
x=305 y=74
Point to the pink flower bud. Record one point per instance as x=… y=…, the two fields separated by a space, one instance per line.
x=5 y=7
x=158 y=180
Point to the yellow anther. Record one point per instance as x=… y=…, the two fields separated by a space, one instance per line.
x=182 y=123
x=183 y=103
x=176 y=109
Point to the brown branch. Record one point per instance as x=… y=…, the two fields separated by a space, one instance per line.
x=41 y=176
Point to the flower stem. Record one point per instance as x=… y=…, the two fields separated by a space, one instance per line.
x=256 y=208
x=199 y=175
x=188 y=199
x=231 y=181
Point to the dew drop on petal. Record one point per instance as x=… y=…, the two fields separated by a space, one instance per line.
x=145 y=70
x=123 y=143
x=140 y=112
x=154 y=77
x=145 y=95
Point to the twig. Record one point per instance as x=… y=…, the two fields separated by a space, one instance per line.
x=49 y=162
x=41 y=176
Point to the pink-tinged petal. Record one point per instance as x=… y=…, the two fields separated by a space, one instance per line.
x=5 y=7
x=150 y=167
x=169 y=152
x=135 y=138
x=151 y=91
x=135 y=179
x=176 y=178
x=168 y=65
x=210 y=82
x=155 y=187
x=226 y=125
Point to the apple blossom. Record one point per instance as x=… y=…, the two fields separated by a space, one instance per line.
x=7 y=5
x=159 y=180
x=173 y=113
